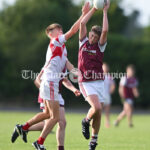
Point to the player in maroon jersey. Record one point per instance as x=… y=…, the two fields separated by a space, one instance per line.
x=128 y=91
x=91 y=79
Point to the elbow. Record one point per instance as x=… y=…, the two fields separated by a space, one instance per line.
x=105 y=31
x=82 y=23
x=35 y=81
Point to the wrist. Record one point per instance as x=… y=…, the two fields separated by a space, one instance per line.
x=74 y=90
x=94 y=9
x=105 y=11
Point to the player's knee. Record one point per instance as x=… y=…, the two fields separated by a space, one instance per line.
x=97 y=109
x=55 y=118
x=62 y=124
x=47 y=115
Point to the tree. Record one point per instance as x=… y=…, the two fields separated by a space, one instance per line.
x=23 y=39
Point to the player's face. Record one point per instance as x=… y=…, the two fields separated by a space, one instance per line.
x=130 y=72
x=55 y=32
x=93 y=38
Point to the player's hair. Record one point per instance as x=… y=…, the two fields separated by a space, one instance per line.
x=52 y=27
x=97 y=30
x=131 y=66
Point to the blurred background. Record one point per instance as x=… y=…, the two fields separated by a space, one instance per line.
x=23 y=46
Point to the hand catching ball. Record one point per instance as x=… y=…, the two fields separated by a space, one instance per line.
x=99 y=4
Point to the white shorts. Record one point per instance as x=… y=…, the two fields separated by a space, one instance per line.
x=93 y=88
x=61 y=102
x=107 y=101
x=129 y=101
x=49 y=90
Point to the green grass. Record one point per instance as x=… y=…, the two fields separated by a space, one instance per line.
x=120 y=138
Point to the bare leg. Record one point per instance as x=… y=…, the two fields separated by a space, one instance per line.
x=107 y=112
x=121 y=116
x=129 y=113
x=96 y=123
x=94 y=113
x=37 y=127
x=40 y=116
x=53 y=107
x=60 y=133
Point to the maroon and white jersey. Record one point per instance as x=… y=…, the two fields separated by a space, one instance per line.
x=90 y=59
x=128 y=84
x=56 y=58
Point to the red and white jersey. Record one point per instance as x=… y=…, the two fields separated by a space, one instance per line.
x=56 y=58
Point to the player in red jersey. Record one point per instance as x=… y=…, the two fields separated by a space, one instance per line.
x=91 y=79
x=128 y=91
x=60 y=133
x=56 y=58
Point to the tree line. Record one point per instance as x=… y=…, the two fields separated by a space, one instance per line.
x=23 y=45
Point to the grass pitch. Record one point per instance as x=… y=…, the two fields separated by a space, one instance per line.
x=114 y=138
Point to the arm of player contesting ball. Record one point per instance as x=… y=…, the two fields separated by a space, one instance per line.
x=76 y=25
x=103 y=37
x=71 y=87
x=86 y=18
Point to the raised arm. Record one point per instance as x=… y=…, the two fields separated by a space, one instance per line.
x=103 y=37
x=86 y=18
x=76 y=25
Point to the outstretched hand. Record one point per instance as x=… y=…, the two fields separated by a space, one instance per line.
x=86 y=8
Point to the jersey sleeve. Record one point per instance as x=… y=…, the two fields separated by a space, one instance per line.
x=83 y=41
x=123 y=81
x=61 y=39
x=102 y=47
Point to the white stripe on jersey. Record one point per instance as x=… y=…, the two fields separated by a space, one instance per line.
x=56 y=58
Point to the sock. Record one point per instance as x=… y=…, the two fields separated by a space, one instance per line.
x=60 y=147
x=26 y=126
x=88 y=120
x=94 y=138
x=40 y=140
